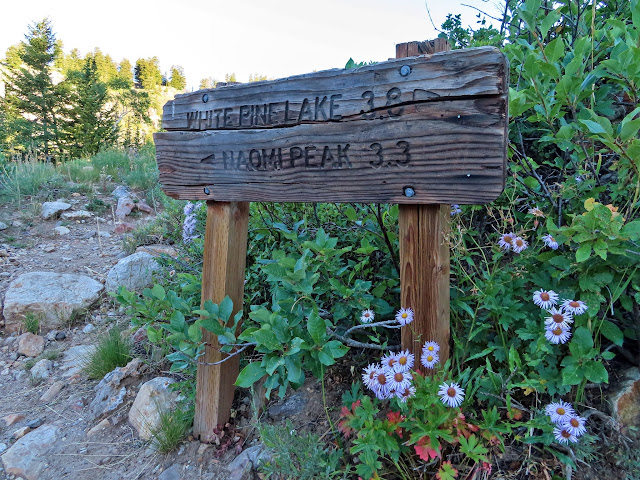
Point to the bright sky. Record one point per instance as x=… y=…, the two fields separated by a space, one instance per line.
x=277 y=38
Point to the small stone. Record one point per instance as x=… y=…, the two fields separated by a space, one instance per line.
x=124 y=228
x=49 y=249
x=625 y=399
x=52 y=392
x=291 y=406
x=171 y=473
x=13 y=419
x=21 y=432
x=61 y=230
x=77 y=215
x=17 y=223
x=53 y=209
x=42 y=369
x=144 y=207
x=30 y=345
x=3 y=226
x=60 y=336
x=140 y=335
x=33 y=424
x=103 y=425
x=89 y=328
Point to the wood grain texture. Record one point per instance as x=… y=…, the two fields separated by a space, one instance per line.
x=277 y=103
x=225 y=249
x=425 y=257
x=448 y=152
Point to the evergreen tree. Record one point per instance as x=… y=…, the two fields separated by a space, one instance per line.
x=124 y=79
x=147 y=73
x=33 y=103
x=178 y=80
x=92 y=120
x=208 y=82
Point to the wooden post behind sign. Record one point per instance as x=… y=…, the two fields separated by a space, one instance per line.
x=424 y=254
x=225 y=251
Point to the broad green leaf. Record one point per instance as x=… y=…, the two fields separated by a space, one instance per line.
x=176 y=321
x=572 y=375
x=611 y=331
x=595 y=372
x=316 y=328
x=350 y=212
x=266 y=337
x=250 y=375
x=158 y=292
x=594 y=127
x=226 y=308
x=581 y=343
x=583 y=253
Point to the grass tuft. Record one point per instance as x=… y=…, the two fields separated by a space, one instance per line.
x=173 y=427
x=31 y=323
x=111 y=351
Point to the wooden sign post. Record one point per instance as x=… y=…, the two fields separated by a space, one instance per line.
x=423 y=131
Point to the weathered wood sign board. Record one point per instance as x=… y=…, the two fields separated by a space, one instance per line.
x=421 y=130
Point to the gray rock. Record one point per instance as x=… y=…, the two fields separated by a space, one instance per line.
x=27 y=457
x=153 y=398
x=33 y=424
x=60 y=336
x=54 y=297
x=121 y=191
x=3 y=447
x=625 y=399
x=134 y=272
x=42 y=369
x=75 y=357
x=76 y=215
x=30 y=345
x=89 y=328
x=112 y=388
x=53 y=209
x=171 y=473
x=3 y=226
x=61 y=230
x=251 y=456
x=125 y=205
x=52 y=392
x=291 y=406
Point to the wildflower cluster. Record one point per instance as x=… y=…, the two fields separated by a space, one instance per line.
x=569 y=425
x=189 y=223
x=557 y=324
x=392 y=377
x=509 y=241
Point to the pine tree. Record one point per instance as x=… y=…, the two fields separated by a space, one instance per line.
x=147 y=73
x=92 y=119
x=178 y=80
x=33 y=103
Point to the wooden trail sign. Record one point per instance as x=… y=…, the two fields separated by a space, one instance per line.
x=423 y=131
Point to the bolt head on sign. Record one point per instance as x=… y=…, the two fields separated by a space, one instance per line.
x=436 y=123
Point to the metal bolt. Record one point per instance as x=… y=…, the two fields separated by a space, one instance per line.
x=458 y=116
x=206 y=191
x=205 y=98
x=405 y=70
x=468 y=174
x=409 y=192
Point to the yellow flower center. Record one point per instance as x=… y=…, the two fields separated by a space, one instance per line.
x=519 y=242
x=405 y=315
x=430 y=348
x=565 y=434
x=557 y=331
x=508 y=238
x=545 y=296
x=574 y=423
x=398 y=377
x=429 y=358
x=402 y=360
x=560 y=411
x=382 y=379
x=574 y=304
x=451 y=392
x=558 y=318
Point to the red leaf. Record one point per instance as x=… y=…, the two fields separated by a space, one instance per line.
x=425 y=452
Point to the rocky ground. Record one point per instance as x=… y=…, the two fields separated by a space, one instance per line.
x=58 y=262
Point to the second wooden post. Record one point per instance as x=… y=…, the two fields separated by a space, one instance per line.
x=424 y=254
x=225 y=251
